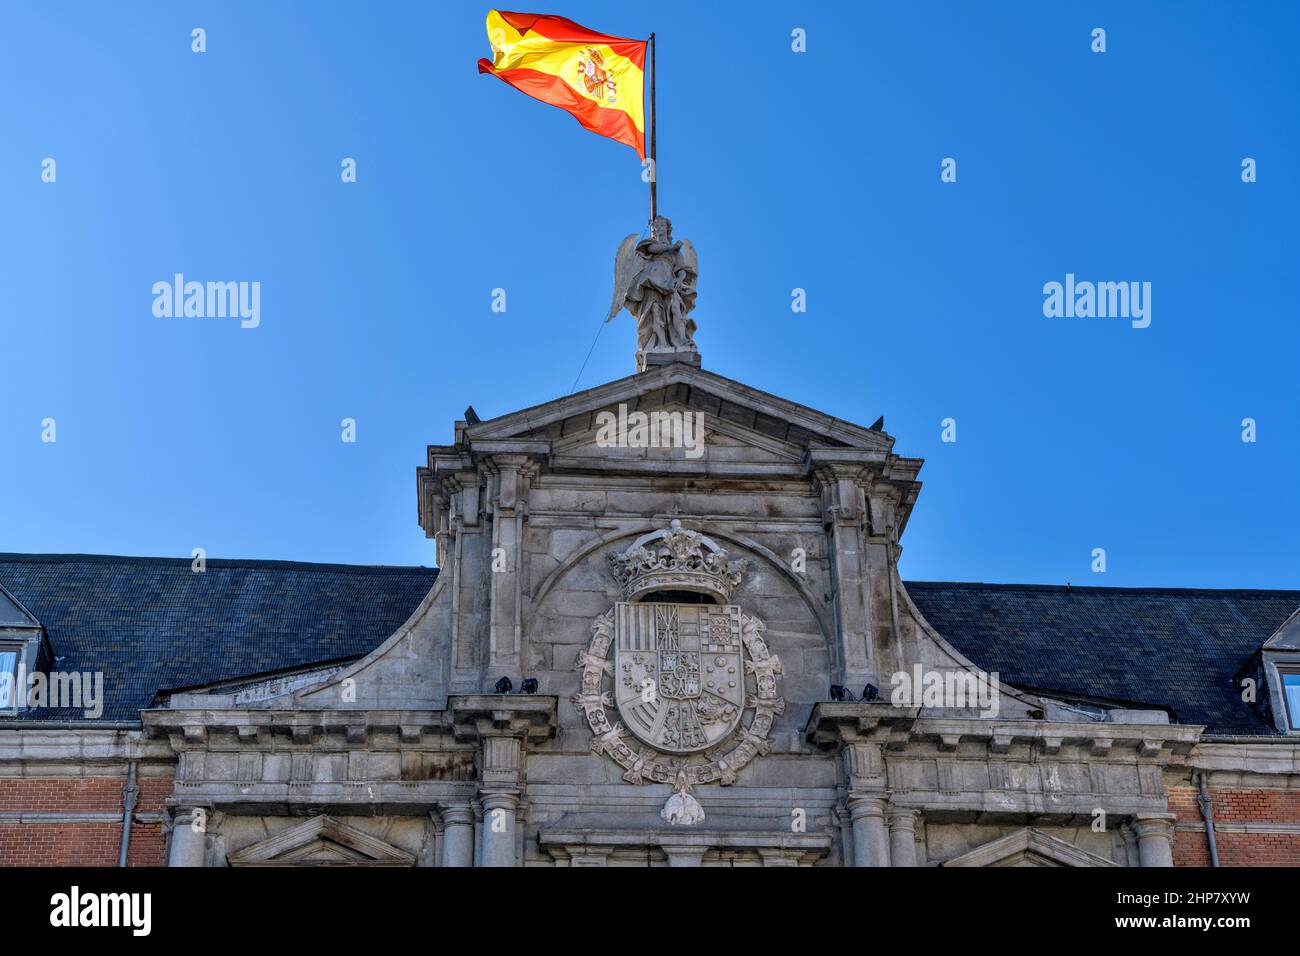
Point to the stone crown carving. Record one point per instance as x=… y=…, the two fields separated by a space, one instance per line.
x=679 y=560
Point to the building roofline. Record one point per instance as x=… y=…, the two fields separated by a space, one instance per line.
x=253 y=563
x=1095 y=589
x=274 y=564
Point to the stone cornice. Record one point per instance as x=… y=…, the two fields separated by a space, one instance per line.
x=196 y=729
x=89 y=746
x=345 y=798
x=833 y=724
x=477 y=716
x=817 y=843
x=515 y=450
x=540 y=416
x=1226 y=762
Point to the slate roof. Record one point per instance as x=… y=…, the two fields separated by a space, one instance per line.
x=152 y=623
x=1177 y=648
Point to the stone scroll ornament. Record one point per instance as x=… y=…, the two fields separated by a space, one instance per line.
x=669 y=704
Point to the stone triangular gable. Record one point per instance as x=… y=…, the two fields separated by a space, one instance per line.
x=721 y=399
x=1028 y=847
x=322 y=841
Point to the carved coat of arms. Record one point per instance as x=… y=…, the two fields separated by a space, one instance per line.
x=683 y=675
x=679 y=678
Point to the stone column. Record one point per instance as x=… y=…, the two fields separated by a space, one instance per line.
x=1155 y=833
x=870 y=841
x=189 y=836
x=458 y=835
x=499 y=822
x=502 y=725
x=902 y=835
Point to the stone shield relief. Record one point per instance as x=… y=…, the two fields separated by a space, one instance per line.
x=682 y=694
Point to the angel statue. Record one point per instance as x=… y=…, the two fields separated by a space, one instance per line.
x=654 y=279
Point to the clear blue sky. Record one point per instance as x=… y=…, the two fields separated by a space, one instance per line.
x=817 y=170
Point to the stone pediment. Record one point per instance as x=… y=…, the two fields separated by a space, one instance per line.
x=723 y=401
x=321 y=841
x=1029 y=847
x=719 y=442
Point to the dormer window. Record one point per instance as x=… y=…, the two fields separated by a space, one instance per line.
x=8 y=676
x=23 y=651
x=1280 y=661
x=1289 y=678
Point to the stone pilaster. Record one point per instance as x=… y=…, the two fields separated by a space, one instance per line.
x=844 y=513
x=454 y=510
x=509 y=467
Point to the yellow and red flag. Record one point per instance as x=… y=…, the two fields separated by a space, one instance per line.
x=599 y=79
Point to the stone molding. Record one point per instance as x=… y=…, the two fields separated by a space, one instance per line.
x=298 y=846
x=1028 y=842
x=779 y=845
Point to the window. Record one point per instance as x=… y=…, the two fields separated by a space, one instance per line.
x=1291 y=694
x=8 y=677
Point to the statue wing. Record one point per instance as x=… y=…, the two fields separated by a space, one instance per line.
x=689 y=260
x=626 y=263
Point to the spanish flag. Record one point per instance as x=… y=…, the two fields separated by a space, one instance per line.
x=599 y=79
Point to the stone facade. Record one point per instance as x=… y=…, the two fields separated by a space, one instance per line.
x=785 y=530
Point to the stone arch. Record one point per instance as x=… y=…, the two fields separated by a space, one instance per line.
x=606 y=540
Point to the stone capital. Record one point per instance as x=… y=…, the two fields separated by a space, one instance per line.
x=902 y=818
x=862 y=805
x=461 y=814
x=499 y=800
x=1154 y=825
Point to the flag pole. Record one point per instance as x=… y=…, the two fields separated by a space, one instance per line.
x=654 y=135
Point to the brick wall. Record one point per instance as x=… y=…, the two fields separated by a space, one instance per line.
x=79 y=844
x=1237 y=807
